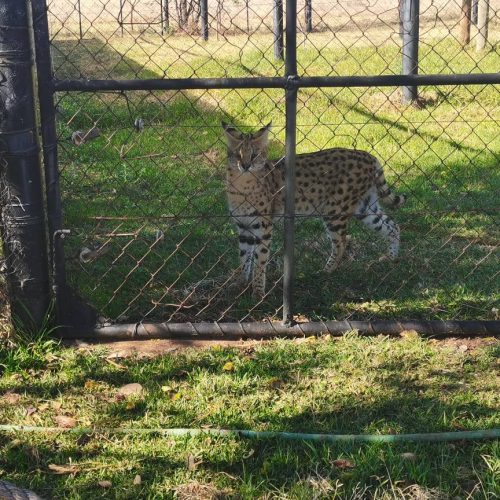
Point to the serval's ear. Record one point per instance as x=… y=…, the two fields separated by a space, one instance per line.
x=261 y=137
x=233 y=136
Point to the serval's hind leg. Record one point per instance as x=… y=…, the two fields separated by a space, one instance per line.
x=371 y=214
x=336 y=230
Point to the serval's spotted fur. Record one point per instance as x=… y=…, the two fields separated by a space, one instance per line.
x=335 y=184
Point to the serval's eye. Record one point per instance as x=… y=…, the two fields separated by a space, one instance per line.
x=254 y=156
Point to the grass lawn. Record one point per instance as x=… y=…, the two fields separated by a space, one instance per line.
x=156 y=199
x=325 y=385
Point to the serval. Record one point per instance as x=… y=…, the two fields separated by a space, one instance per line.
x=334 y=184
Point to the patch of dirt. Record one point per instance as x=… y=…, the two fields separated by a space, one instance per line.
x=158 y=347
x=466 y=344
x=199 y=491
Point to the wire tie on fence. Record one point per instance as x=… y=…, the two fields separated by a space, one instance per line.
x=292 y=82
x=135 y=332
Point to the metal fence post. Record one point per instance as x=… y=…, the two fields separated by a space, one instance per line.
x=50 y=159
x=308 y=16
x=410 y=17
x=23 y=219
x=204 y=19
x=278 y=29
x=290 y=144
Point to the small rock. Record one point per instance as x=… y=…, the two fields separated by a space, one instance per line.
x=131 y=389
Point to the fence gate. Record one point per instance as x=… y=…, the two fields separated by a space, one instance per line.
x=131 y=96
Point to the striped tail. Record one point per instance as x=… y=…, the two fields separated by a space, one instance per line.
x=384 y=191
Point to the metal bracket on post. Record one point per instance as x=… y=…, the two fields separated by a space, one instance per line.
x=23 y=215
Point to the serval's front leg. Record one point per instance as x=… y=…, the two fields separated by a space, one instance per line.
x=246 y=241
x=262 y=231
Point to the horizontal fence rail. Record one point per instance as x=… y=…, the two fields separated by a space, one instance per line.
x=217 y=331
x=275 y=82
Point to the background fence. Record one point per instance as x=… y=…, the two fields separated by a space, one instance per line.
x=140 y=96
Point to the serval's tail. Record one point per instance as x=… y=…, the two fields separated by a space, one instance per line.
x=384 y=191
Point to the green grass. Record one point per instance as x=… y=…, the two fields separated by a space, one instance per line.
x=170 y=178
x=349 y=385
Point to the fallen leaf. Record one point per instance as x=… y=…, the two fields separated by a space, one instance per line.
x=228 y=367
x=166 y=388
x=137 y=480
x=30 y=410
x=130 y=389
x=11 y=398
x=63 y=469
x=90 y=385
x=409 y=456
x=105 y=484
x=463 y=347
x=65 y=422
x=43 y=407
x=343 y=463
x=175 y=396
x=57 y=405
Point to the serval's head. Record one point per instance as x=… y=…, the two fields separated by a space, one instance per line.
x=247 y=152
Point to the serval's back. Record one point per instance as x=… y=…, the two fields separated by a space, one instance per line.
x=334 y=184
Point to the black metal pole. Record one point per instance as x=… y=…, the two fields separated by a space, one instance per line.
x=49 y=147
x=308 y=16
x=278 y=29
x=23 y=218
x=290 y=143
x=204 y=19
x=410 y=46
x=79 y=6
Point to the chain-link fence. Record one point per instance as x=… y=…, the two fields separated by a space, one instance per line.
x=142 y=88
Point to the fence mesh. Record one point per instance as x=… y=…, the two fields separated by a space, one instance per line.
x=143 y=172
